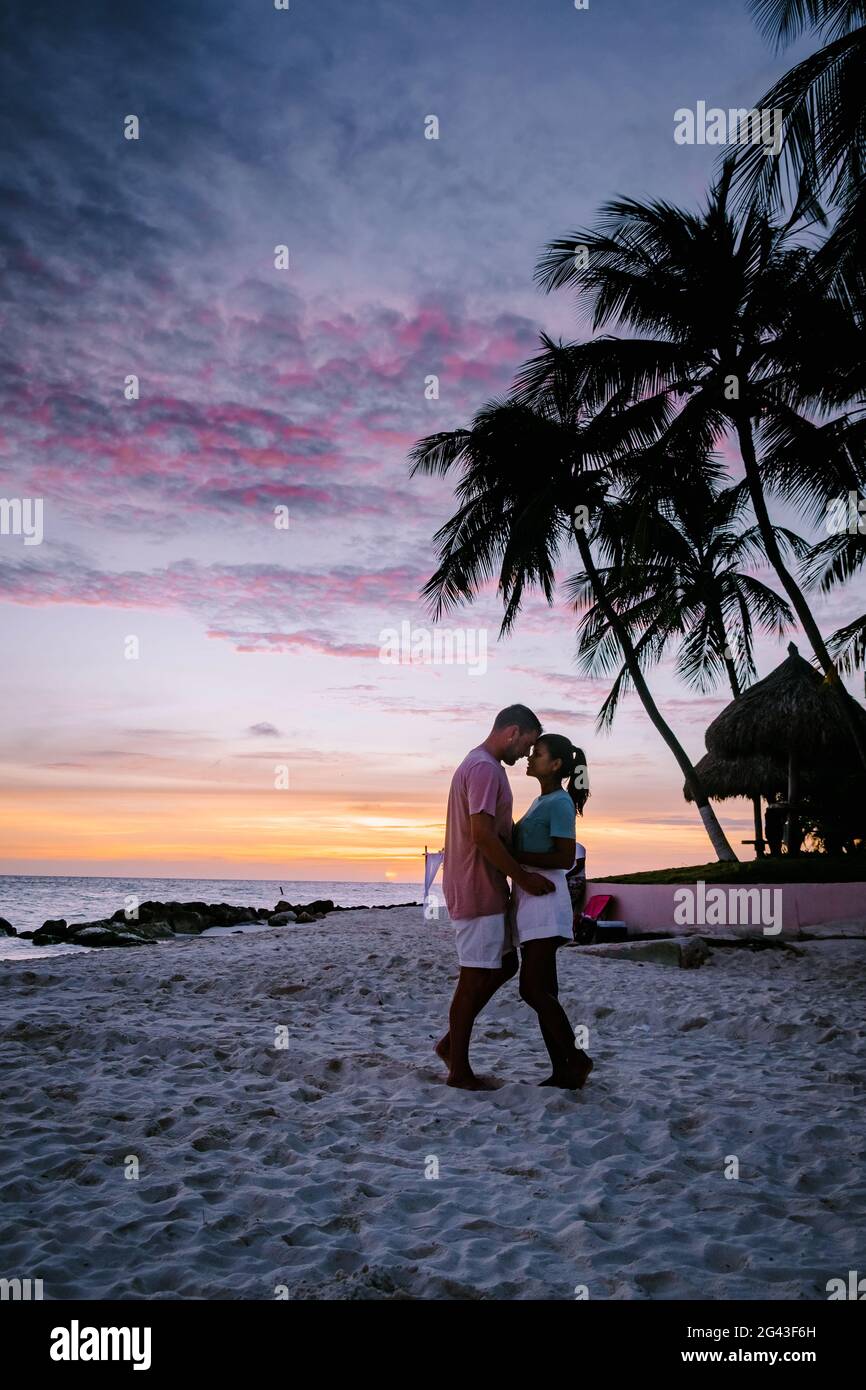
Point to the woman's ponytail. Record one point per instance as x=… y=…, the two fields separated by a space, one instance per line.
x=578 y=782
x=572 y=765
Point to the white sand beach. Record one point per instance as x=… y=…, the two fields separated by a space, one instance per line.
x=304 y=1169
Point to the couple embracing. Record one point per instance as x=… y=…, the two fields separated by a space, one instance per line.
x=483 y=849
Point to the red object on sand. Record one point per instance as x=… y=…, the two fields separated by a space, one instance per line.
x=596 y=906
x=584 y=925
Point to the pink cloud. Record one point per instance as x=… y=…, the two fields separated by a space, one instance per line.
x=309 y=401
x=252 y=606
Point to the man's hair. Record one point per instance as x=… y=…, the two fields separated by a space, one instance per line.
x=526 y=721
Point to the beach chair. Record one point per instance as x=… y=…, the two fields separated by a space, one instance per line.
x=584 y=925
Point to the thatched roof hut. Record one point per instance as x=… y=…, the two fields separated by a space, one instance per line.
x=724 y=778
x=790 y=711
x=789 y=723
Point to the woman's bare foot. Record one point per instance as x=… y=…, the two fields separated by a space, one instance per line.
x=471 y=1082
x=584 y=1066
x=443 y=1049
x=577 y=1072
x=572 y=1076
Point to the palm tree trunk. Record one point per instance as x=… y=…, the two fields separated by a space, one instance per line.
x=790 y=585
x=734 y=681
x=718 y=839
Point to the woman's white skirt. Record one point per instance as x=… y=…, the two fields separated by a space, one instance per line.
x=551 y=914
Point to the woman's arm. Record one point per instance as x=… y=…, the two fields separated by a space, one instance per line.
x=560 y=857
x=492 y=846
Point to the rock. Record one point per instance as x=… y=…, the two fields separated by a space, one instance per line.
x=25 y=935
x=694 y=952
x=282 y=919
x=6 y=928
x=283 y=906
x=687 y=952
x=104 y=934
x=186 y=918
x=148 y=931
x=150 y=928
x=50 y=933
x=188 y=923
x=304 y=917
x=842 y=928
x=322 y=905
x=226 y=915
x=149 y=911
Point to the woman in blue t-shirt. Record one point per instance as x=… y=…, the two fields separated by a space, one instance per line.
x=544 y=840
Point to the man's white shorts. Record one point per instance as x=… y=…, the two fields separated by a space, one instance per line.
x=483 y=941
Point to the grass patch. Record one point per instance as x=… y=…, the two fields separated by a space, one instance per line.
x=803 y=868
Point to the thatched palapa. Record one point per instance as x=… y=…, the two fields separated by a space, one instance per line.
x=724 y=778
x=791 y=711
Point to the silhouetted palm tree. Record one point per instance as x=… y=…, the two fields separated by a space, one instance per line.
x=821 y=161
x=735 y=333
x=533 y=481
x=837 y=558
x=679 y=576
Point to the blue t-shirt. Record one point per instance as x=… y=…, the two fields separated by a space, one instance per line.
x=550 y=817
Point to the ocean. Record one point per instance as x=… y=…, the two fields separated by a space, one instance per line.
x=27 y=900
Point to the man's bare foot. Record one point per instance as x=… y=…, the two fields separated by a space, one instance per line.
x=471 y=1082
x=443 y=1048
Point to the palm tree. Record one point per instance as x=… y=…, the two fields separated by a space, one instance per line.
x=533 y=481
x=682 y=578
x=837 y=558
x=735 y=333
x=820 y=160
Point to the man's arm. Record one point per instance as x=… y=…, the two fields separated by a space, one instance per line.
x=560 y=857
x=485 y=839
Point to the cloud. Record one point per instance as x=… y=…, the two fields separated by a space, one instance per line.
x=565 y=716
x=326 y=435
x=253 y=606
x=264 y=730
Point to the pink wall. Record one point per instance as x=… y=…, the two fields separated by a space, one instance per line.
x=650 y=906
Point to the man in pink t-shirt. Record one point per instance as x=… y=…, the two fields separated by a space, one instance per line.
x=477 y=859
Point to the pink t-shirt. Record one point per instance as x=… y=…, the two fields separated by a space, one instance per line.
x=473 y=887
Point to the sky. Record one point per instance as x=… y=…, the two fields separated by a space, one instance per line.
x=194 y=682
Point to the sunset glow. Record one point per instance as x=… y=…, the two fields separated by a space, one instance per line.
x=170 y=645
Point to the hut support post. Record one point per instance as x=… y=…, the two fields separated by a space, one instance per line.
x=759 y=828
x=792 y=838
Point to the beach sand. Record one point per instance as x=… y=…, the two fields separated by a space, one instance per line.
x=302 y=1171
